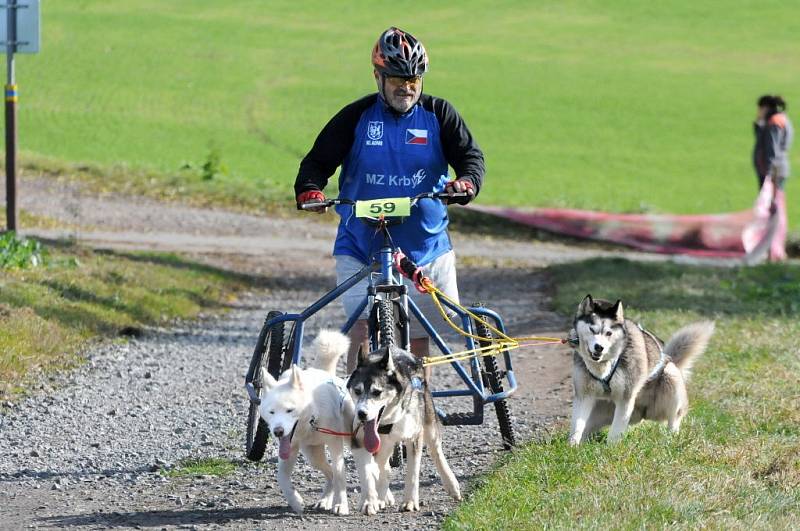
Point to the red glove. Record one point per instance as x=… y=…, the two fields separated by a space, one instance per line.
x=460 y=185
x=311 y=196
x=410 y=270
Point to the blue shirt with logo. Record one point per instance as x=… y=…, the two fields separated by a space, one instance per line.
x=384 y=154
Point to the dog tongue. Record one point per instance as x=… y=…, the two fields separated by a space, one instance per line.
x=372 y=442
x=285 y=447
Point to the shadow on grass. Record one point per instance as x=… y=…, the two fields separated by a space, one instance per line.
x=174 y=261
x=278 y=281
x=771 y=289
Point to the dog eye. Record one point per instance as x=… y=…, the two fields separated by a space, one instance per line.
x=289 y=410
x=376 y=392
x=608 y=333
x=357 y=391
x=271 y=412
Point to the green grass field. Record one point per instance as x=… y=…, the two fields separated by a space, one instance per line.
x=736 y=462
x=49 y=313
x=611 y=105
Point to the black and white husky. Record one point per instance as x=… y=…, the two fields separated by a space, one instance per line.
x=393 y=404
x=622 y=373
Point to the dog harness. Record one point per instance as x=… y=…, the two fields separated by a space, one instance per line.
x=339 y=386
x=605 y=382
x=662 y=362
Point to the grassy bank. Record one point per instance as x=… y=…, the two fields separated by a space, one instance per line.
x=48 y=313
x=736 y=462
x=613 y=105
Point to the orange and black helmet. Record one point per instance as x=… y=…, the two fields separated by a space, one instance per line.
x=398 y=53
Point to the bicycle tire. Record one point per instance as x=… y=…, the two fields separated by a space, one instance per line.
x=386 y=324
x=385 y=327
x=270 y=340
x=286 y=364
x=492 y=379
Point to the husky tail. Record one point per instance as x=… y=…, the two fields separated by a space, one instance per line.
x=329 y=346
x=687 y=344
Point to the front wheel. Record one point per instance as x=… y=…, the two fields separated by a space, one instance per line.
x=493 y=379
x=385 y=327
x=270 y=342
x=385 y=324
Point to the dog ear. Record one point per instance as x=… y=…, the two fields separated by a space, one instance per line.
x=268 y=381
x=586 y=306
x=363 y=356
x=297 y=380
x=617 y=309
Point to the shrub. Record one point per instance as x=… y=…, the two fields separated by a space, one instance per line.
x=20 y=253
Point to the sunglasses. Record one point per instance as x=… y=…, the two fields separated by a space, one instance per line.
x=402 y=80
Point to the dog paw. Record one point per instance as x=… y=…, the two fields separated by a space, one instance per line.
x=410 y=506
x=369 y=507
x=455 y=493
x=388 y=499
x=574 y=441
x=325 y=503
x=296 y=503
x=341 y=509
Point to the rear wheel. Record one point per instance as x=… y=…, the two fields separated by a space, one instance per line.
x=492 y=378
x=269 y=343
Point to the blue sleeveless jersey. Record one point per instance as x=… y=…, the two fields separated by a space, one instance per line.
x=384 y=154
x=395 y=156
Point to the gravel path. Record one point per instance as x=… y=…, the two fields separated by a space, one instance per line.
x=89 y=449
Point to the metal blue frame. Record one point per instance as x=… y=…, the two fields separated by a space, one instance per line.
x=383 y=262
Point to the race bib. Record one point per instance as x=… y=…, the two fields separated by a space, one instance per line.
x=388 y=207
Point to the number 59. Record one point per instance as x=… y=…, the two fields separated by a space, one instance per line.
x=382 y=208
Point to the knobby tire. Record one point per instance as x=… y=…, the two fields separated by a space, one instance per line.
x=270 y=342
x=493 y=380
x=386 y=328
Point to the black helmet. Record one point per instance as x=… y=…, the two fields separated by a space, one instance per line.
x=398 y=53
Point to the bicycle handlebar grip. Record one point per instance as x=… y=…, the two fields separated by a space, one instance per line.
x=310 y=206
x=408 y=268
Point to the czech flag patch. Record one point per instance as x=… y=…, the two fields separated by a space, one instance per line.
x=417 y=136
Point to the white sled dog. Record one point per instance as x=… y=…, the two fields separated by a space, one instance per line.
x=394 y=404
x=298 y=403
x=622 y=373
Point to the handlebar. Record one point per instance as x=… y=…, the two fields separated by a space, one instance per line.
x=336 y=202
